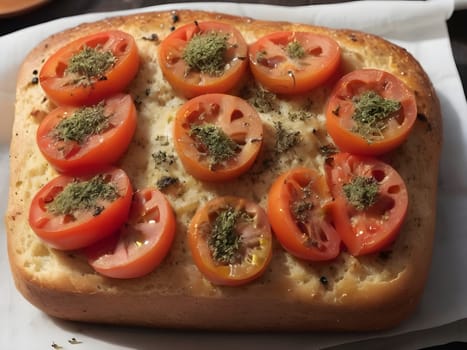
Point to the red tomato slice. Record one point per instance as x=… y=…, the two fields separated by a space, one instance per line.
x=193 y=82
x=251 y=228
x=232 y=117
x=96 y=150
x=340 y=112
x=367 y=230
x=141 y=244
x=79 y=227
x=293 y=62
x=67 y=88
x=299 y=205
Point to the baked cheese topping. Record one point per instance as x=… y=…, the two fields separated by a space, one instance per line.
x=294 y=135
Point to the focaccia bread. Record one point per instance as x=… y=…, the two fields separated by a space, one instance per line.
x=369 y=292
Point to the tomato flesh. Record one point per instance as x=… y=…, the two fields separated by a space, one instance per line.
x=283 y=72
x=82 y=227
x=238 y=120
x=255 y=242
x=340 y=110
x=192 y=82
x=143 y=241
x=97 y=150
x=65 y=88
x=299 y=210
x=375 y=227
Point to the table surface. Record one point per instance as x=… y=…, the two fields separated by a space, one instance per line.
x=53 y=9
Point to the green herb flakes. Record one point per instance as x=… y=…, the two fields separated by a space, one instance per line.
x=285 y=139
x=83 y=196
x=261 y=57
x=328 y=150
x=301 y=115
x=85 y=122
x=205 y=53
x=301 y=210
x=91 y=63
x=224 y=240
x=295 y=50
x=166 y=181
x=163 y=158
x=219 y=146
x=372 y=113
x=361 y=192
x=263 y=100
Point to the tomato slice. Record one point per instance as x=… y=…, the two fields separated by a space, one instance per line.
x=293 y=62
x=193 y=77
x=370 y=228
x=299 y=210
x=65 y=225
x=117 y=65
x=75 y=152
x=141 y=244
x=377 y=132
x=230 y=240
x=217 y=136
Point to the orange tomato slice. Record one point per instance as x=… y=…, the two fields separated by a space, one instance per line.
x=251 y=254
x=64 y=87
x=96 y=150
x=231 y=126
x=191 y=81
x=299 y=210
x=141 y=244
x=79 y=227
x=341 y=107
x=372 y=228
x=293 y=62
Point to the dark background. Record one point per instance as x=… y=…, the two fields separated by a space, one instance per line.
x=62 y=8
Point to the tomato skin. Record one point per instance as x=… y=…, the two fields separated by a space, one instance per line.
x=123 y=255
x=340 y=108
x=230 y=274
x=60 y=232
x=58 y=85
x=235 y=117
x=98 y=151
x=195 y=83
x=279 y=73
x=321 y=242
x=370 y=230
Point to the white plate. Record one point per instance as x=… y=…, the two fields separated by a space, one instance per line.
x=420 y=27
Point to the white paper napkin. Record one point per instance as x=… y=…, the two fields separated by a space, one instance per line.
x=418 y=26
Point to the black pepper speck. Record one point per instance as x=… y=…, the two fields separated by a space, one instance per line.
x=323 y=280
x=152 y=37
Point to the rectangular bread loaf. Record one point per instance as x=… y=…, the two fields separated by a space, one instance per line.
x=369 y=292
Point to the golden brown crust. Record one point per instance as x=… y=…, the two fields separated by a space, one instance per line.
x=369 y=293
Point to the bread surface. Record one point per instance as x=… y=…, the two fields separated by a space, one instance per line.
x=362 y=293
